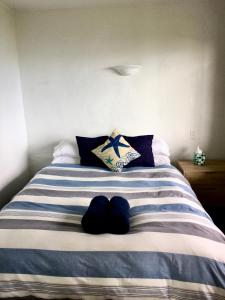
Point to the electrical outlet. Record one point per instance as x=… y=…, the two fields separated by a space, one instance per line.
x=193 y=134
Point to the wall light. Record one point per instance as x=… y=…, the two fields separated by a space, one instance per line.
x=126 y=70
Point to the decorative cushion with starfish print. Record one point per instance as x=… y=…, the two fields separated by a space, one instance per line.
x=116 y=152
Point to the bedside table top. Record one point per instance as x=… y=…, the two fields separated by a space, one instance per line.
x=210 y=166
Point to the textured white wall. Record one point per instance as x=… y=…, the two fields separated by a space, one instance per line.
x=13 y=147
x=179 y=93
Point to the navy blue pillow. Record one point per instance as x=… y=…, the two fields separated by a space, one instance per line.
x=143 y=145
x=85 y=145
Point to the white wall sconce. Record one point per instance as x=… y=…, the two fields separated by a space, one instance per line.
x=126 y=70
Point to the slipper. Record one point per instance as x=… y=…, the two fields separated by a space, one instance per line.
x=119 y=222
x=95 y=220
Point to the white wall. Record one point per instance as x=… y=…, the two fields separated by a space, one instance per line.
x=179 y=93
x=13 y=146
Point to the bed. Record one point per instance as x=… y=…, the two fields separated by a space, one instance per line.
x=173 y=250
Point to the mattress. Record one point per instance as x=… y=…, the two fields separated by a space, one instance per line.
x=173 y=249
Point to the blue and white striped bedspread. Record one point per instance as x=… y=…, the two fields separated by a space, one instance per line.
x=173 y=251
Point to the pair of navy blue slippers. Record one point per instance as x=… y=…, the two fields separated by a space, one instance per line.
x=104 y=216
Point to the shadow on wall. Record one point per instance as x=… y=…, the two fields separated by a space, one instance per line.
x=41 y=156
x=216 y=135
x=12 y=188
x=37 y=159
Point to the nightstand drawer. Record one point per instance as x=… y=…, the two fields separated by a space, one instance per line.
x=210 y=195
x=209 y=178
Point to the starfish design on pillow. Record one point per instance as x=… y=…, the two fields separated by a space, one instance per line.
x=115 y=144
x=116 y=152
x=109 y=160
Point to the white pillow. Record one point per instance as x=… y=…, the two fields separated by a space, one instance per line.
x=160 y=147
x=65 y=160
x=161 y=160
x=65 y=148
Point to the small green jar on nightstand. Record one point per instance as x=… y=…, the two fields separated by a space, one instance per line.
x=199 y=157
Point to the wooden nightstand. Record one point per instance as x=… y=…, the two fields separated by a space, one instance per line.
x=208 y=182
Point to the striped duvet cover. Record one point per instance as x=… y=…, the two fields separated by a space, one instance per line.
x=173 y=250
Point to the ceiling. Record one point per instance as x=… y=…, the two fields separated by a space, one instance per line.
x=60 y=4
